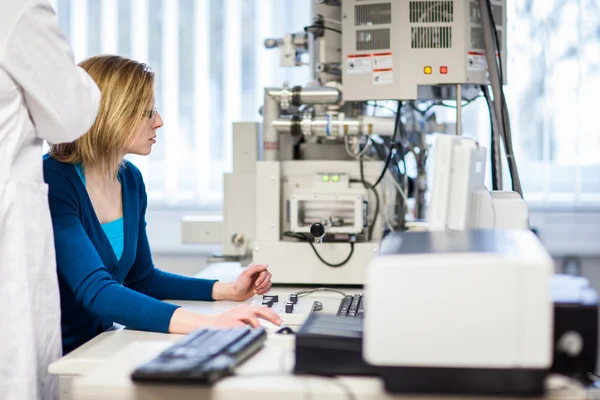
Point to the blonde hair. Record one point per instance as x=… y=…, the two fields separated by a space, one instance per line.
x=127 y=88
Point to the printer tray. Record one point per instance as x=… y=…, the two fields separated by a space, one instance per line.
x=330 y=345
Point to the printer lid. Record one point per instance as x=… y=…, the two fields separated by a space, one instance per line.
x=502 y=242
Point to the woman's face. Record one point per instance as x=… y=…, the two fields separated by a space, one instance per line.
x=142 y=141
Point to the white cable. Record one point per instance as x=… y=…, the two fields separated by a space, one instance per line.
x=323 y=289
x=399 y=188
x=361 y=152
x=387 y=221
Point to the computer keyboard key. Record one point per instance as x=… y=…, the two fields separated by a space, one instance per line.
x=257 y=336
x=352 y=306
x=345 y=306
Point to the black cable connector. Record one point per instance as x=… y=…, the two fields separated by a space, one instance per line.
x=304 y=238
x=306 y=28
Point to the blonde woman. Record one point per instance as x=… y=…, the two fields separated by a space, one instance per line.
x=98 y=205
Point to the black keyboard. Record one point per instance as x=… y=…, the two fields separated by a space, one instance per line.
x=352 y=306
x=203 y=357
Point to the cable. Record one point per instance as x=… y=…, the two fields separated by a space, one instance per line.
x=303 y=237
x=495 y=32
x=323 y=289
x=500 y=97
x=360 y=152
x=381 y=106
x=306 y=28
x=397 y=123
x=494 y=145
x=368 y=186
x=466 y=103
x=401 y=191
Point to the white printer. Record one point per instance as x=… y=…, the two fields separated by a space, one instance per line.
x=465 y=312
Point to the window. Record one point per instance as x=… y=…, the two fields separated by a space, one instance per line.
x=210 y=66
x=553 y=81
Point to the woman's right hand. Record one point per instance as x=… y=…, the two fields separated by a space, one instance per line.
x=185 y=321
x=244 y=314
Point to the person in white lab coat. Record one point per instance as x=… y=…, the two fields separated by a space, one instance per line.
x=43 y=96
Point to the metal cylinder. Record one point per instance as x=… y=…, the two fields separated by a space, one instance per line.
x=282 y=125
x=335 y=125
x=315 y=95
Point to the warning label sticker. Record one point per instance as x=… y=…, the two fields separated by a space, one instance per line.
x=383 y=76
x=476 y=61
x=358 y=64
x=382 y=60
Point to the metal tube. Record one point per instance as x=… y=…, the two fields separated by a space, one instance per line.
x=315 y=95
x=332 y=126
x=282 y=125
x=459 y=109
x=270 y=112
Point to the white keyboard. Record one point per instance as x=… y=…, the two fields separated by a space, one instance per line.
x=292 y=314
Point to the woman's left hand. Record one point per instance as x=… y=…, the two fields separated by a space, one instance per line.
x=255 y=279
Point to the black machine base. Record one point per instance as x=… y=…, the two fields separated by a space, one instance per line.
x=464 y=381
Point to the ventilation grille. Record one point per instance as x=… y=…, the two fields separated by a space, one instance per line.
x=477 y=38
x=498 y=13
x=477 y=42
x=373 y=14
x=431 y=37
x=373 y=39
x=431 y=12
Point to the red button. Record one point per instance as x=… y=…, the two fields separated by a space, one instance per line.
x=443 y=70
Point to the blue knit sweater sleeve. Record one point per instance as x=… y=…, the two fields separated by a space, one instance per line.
x=80 y=266
x=145 y=278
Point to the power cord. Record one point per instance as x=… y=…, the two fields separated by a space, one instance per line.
x=304 y=238
x=370 y=187
x=306 y=28
x=323 y=289
x=494 y=156
x=391 y=152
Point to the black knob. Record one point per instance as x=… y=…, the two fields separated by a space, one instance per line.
x=289 y=307
x=293 y=298
x=317 y=230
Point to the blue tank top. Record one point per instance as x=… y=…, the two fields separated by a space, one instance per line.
x=113 y=230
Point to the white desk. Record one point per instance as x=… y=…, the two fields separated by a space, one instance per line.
x=108 y=344
x=100 y=369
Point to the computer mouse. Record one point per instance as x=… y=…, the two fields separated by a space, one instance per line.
x=274 y=328
x=268 y=325
x=285 y=330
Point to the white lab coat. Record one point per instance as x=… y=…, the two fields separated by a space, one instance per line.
x=43 y=95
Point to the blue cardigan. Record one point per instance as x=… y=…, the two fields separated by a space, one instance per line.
x=96 y=289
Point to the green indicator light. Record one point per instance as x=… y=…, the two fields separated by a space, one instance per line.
x=325 y=178
x=335 y=178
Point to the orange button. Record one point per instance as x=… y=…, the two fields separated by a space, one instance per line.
x=443 y=70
